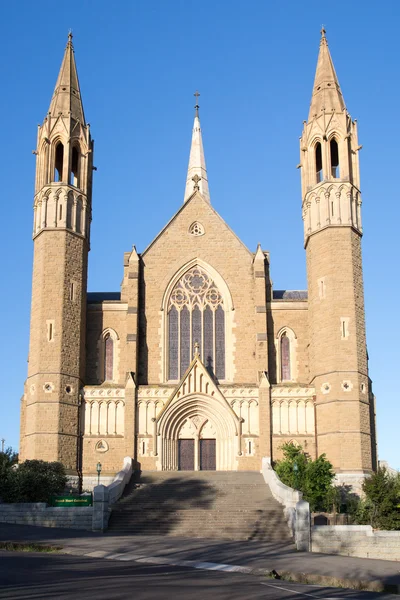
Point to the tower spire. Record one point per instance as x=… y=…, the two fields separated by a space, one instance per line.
x=197 y=164
x=67 y=95
x=327 y=95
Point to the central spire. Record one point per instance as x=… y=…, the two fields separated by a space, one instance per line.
x=197 y=171
x=327 y=95
x=67 y=95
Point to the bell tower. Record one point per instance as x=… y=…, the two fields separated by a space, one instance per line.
x=61 y=231
x=331 y=210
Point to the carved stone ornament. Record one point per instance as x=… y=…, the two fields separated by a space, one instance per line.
x=101 y=446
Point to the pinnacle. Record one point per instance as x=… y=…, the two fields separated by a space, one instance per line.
x=327 y=95
x=67 y=96
x=196 y=179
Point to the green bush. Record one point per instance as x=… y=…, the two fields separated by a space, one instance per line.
x=8 y=458
x=312 y=477
x=380 y=507
x=33 y=481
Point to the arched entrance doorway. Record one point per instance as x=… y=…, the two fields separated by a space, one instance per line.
x=198 y=432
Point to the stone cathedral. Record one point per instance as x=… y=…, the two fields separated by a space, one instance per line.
x=197 y=363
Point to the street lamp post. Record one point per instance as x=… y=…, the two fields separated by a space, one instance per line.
x=295 y=470
x=98 y=469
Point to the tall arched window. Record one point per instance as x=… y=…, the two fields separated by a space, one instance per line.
x=68 y=216
x=318 y=161
x=196 y=322
x=74 y=175
x=78 y=216
x=59 y=162
x=285 y=357
x=334 y=148
x=108 y=358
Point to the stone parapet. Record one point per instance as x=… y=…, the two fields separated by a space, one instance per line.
x=356 y=540
x=39 y=514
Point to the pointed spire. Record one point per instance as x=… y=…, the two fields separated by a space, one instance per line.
x=197 y=172
x=67 y=96
x=327 y=94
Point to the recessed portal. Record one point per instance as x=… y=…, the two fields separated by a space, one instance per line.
x=208 y=459
x=186 y=455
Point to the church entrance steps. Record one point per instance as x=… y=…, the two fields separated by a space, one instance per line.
x=202 y=504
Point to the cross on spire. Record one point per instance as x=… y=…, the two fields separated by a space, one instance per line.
x=196 y=180
x=196 y=94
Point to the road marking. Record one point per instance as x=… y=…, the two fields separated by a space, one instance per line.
x=277 y=587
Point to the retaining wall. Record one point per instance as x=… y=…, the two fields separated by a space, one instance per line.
x=356 y=540
x=38 y=513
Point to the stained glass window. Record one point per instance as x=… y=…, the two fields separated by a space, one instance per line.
x=196 y=329
x=285 y=358
x=209 y=339
x=220 y=343
x=173 y=344
x=185 y=339
x=196 y=316
x=108 y=358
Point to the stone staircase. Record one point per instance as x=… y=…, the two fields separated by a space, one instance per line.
x=202 y=504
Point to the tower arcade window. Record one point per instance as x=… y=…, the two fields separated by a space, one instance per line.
x=59 y=162
x=334 y=149
x=196 y=323
x=285 y=357
x=318 y=161
x=74 y=174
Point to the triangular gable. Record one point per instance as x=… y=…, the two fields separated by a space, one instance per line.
x=197 y=380
x=195 y=194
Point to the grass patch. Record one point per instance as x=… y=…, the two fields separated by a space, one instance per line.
x=28 y=547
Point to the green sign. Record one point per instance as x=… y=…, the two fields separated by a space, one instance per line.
x=71 y=501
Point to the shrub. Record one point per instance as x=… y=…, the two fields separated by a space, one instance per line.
x=380 y=508
x=312 y=477
x=33 y=481
x=8 y=458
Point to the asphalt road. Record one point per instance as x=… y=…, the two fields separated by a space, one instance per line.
x=41 y=576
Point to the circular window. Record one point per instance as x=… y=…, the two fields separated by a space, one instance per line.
x=196 y=229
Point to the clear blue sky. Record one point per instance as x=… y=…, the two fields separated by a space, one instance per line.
x=253 y=61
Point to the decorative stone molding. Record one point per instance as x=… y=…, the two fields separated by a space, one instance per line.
x=101 y=446
x=347 y=386
x=196 y=229
x=326 y=388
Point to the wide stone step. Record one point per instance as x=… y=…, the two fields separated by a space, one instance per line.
x=203 y=504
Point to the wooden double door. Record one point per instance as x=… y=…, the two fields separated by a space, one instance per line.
x=206 y=455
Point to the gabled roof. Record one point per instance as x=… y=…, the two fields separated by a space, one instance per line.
x=197 y=380
x=196 y=194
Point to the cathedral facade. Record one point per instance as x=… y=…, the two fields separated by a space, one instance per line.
x=197 y=362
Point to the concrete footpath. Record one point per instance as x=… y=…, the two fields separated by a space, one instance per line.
x=245 y=557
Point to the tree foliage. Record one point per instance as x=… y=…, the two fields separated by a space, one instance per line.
x=312 y=477
x=8 y=458
x=33 y=481
x=381 y=506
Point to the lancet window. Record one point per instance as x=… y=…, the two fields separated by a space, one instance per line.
x=334 y=149
x=285 y=357
x=196 y=323
x=59 y=162
x=318 y=161
x=108 y=358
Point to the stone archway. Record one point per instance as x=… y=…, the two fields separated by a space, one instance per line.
x=198 y=417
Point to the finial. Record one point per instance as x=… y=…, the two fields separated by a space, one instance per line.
x=196 y=349
x=70 y=36
x=323 y=32
x=196 y=180
x=197 y=102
